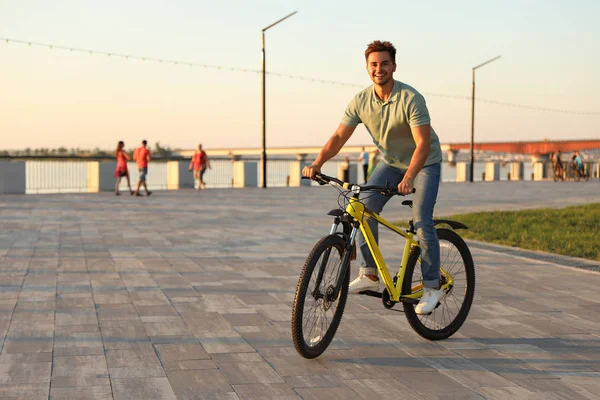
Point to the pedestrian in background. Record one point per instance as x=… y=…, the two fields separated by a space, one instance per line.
x=199 y=163
x=364 y=161
x=141 y=155
x=121 y=170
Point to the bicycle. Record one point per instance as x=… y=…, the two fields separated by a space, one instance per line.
x=331 y=256
x=558 y=172
x=579 y=173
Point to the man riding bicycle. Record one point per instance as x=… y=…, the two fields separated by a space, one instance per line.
x=396 y=116
x=578 y=164
x=557 y=165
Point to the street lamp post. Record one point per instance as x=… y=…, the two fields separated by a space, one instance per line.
x=263 y=157
x=471 y=157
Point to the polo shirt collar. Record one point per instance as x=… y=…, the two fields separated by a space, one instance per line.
x=393 y=96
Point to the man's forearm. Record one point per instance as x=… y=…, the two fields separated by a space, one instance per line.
x=418 y=160
x=330 y=150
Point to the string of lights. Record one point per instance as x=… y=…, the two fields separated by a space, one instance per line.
x=298 y=77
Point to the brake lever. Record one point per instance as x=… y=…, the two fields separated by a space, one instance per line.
x=388 y=191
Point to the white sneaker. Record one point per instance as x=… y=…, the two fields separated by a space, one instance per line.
x=431 y=297
x=362 y=283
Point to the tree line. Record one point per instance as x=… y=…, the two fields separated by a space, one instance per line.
x=158 y=151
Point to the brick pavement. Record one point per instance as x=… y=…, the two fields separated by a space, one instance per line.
x=187 y=295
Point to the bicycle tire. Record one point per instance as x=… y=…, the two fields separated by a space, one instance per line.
x=336 y=244
x=444 y=330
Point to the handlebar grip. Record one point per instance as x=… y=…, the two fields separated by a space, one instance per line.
x=317 y=179
x=395 y=192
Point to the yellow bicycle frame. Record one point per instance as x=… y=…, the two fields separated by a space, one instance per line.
x=357 y=211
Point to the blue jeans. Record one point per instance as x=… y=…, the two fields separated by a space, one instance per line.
x=143 y=172
x=426 y=184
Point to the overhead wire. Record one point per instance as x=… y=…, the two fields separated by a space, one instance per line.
x=278 y=74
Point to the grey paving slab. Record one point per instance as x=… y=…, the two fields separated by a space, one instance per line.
x=224 y=342
x=25 y=373
x=242 y=373
x=265 y=391
x=78 y=344
x=170 y=352
x=82 y=393
x=184 y=365
x=15 y=358
x=187 y=384
x=382 y=389
x=314 y=381
x=340 y=393
x=190 y=297
x=143 y=356
x=23 y=344
x=25 y=391
x=142 y=388
x=108 y=312
x=79 y=371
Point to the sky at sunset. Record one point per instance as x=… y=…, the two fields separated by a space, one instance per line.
x=51 y=98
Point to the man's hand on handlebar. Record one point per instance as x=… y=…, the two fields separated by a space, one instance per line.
x=406 y=186
x=310 y=171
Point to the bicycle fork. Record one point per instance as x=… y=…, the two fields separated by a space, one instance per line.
x=332 y=295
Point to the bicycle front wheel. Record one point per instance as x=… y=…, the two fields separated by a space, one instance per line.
x=448 y=317
x=316 y=315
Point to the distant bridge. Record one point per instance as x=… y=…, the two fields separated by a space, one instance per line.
x=541 y=147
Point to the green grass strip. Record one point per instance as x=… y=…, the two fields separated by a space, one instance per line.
x=572 y=231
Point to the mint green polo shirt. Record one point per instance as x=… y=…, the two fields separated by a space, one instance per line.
x=389 y=123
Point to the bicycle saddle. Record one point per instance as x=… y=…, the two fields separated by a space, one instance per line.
x=407 y=203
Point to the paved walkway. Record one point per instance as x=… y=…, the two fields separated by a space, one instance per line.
x=186 y=295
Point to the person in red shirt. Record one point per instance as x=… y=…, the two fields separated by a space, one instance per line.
x=199 y=163
x=121 y=170
x=141 y=155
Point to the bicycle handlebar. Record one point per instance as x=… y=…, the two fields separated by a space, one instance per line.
x=323 y=179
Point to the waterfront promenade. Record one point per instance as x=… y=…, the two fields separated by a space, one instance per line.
x=187 y=295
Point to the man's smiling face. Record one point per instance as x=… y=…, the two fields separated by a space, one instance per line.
x=380 y=67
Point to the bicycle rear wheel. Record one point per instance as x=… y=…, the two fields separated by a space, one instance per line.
x=448 y=317
x=316 y=316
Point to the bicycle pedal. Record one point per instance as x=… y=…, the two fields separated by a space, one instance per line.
x=371 y=293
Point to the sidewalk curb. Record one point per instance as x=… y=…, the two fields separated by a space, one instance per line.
x=565 y=261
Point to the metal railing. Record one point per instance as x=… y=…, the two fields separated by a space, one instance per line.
x=278 y=172
x=56 y=176
x=71 y=176
x=220 y=175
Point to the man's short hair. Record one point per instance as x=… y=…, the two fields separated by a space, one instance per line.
x=379 y=46
x=144 y=142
